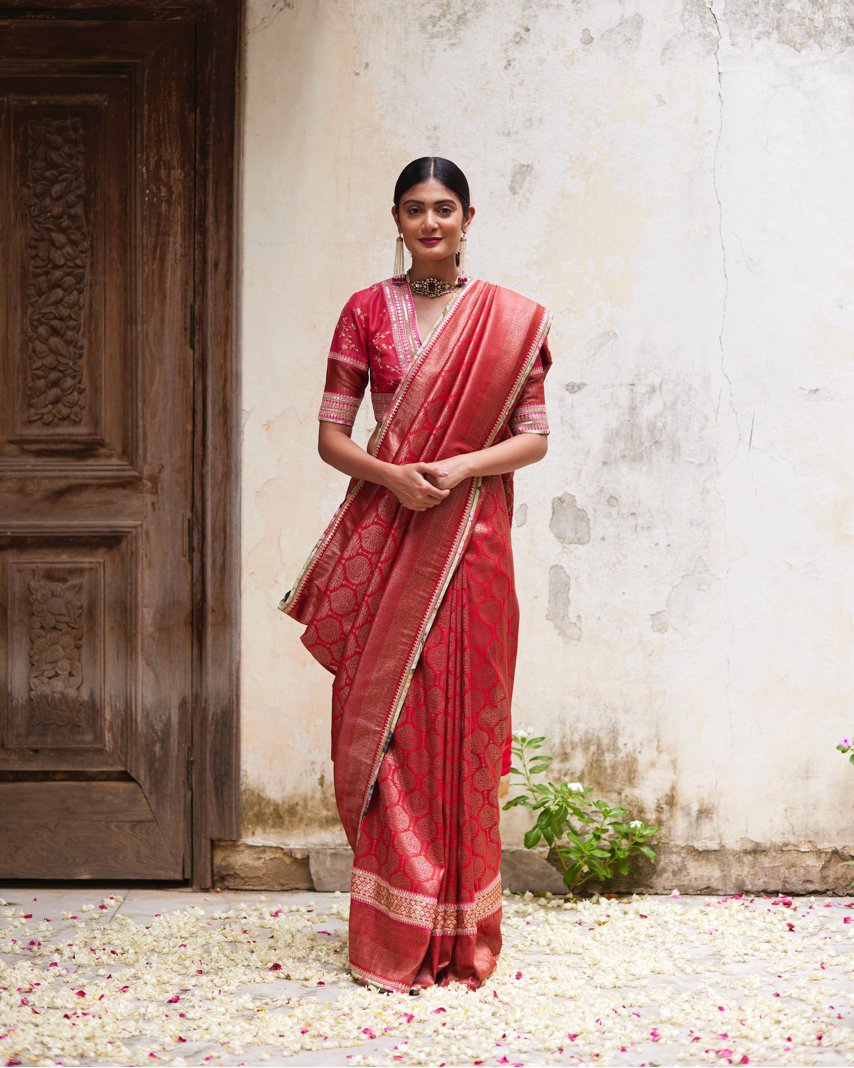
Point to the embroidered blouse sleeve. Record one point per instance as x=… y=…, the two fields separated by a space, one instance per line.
x=529 y=416
x=346 y=368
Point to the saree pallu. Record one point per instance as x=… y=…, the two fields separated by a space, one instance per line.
x=415 y=613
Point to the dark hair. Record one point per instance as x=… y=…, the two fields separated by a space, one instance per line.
x=448 y=173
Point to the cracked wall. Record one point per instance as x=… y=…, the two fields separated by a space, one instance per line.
x=675 y=182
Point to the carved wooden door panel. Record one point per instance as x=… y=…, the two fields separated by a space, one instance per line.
x=96 y=423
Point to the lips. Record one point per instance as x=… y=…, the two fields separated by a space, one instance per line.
x=429 y=241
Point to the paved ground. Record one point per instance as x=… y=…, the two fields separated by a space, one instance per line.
x=183 y=978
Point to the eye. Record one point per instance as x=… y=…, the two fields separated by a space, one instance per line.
x=412 y=211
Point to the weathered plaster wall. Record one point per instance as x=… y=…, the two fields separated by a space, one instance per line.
x=675 y=180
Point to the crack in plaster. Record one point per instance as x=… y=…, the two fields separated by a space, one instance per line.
x=721 y=239
x=724 y=373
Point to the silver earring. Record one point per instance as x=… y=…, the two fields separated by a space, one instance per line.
x=399 y=266
x=462 y=257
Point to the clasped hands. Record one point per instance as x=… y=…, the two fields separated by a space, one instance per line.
x=420 y=486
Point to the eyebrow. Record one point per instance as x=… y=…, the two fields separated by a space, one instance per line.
x=442 y=200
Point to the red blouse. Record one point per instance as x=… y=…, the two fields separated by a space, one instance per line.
x=376 y=340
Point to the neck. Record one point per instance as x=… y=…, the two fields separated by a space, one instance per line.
x=445 y=270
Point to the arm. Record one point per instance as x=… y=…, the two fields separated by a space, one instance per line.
x=406 y=481
x=517 y=451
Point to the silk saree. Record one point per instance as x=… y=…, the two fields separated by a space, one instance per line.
x=416 y=616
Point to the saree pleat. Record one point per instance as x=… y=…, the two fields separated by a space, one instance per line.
x=426 y=885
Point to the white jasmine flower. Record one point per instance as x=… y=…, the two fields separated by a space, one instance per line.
x=576 y=787
x=715 y=981
x=635 y=823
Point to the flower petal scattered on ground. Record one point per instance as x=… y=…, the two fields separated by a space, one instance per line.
x=729 y=980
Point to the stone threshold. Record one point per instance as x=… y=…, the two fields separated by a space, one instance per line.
x=245 y=866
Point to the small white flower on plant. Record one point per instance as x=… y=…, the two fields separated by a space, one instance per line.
x=521 y=733
x=635 y=823
x=576 y=787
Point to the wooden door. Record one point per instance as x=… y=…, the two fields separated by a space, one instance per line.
x=96 y=448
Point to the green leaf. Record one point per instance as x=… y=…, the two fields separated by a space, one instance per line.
x=572 y=875
x=604 y=868
x=539 y=768
x=532 y=837
x=647 y=852
x=521 y=800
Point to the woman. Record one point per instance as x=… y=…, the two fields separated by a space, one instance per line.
x=409 y=599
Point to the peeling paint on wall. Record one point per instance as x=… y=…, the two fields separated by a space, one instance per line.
x=681 y=604
x=558 y=610
x=623 y=39
x=808 y=24
x=520 y=177
x=569 y=523
x=697 y=36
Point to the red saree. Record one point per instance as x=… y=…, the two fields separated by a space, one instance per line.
x=415 y=614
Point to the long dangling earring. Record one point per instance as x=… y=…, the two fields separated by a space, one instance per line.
x=462 y=256
x=399 y=266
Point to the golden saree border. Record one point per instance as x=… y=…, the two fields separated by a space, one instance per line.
x=480 y=352
x=292 y=596
x=451 y=564
x=420 y=356
x=459 y=547
x=325 y=538
x=423 y=910
x=378 y=980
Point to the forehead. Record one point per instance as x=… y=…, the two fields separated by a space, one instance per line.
x=429 y=191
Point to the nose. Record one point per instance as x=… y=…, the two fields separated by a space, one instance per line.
x=429 y=222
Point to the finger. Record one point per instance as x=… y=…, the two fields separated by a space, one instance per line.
x=436 y=469
x=428 y=481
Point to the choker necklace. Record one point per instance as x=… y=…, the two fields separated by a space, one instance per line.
x=431 y=287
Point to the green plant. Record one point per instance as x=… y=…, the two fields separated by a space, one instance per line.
x=587 y=839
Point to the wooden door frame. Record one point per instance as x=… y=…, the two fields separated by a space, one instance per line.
x=214 y=768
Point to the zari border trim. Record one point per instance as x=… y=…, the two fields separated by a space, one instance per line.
x=379 y=980
x=420 y=356
x=421 y=910
x=324 y=539
x=542 y=331
x=461 y=540
x=302 y=578
x=451 y=564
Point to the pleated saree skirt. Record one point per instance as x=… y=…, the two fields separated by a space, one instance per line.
x=425 y=902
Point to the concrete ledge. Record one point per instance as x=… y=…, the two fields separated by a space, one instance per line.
x=249 y=867
x=240 y=866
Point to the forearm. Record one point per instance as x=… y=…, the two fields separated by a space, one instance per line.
x=517 y=451
x=337 y=449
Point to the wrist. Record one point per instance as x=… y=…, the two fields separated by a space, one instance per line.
x=386 y=474
x=469 y=464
